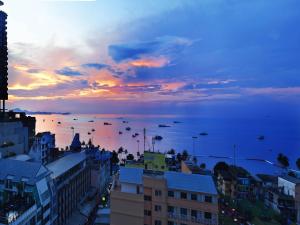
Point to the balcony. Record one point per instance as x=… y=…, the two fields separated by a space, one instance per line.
x=179 y=217
x=15 y=209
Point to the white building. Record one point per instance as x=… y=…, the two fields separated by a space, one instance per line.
x=43 y=148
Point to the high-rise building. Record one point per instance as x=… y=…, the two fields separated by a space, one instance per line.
x=3 y=59
x=159 y=198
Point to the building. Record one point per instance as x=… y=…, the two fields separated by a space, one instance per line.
x=72 y=179
x=26 y=192
x=155 y=197
x=191 y=167
x=43 y=149
x=236 y=182
x=291 y=187
x=99 y=161
x=3 y=60
x=13 y=138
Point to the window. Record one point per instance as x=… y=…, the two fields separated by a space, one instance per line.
x=170 y=209
x=157 y=208
x=207 y=215
x=183 y=211
x=194 y=197
x=137 y=189
x=147 y=198
x=157 y=192
x=183 y=195
x=171 y=223
x=194 y=213
x=8 y=183
x=171 y=193
x=157 y=222
x=208 y=198
x=147 y=213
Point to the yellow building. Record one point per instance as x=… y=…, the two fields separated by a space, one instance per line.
x=163 y=198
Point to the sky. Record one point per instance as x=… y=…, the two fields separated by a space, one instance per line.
x=154 y=56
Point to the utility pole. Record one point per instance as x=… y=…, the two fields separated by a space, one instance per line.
x=234 y=155
x=144 y=140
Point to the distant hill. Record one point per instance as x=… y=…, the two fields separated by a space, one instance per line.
x=39 y=112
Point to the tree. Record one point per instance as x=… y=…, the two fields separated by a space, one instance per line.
x=283 y=160
x=185 y=155
x=114 y=158
x=298 y=163
x=179 y=157
x=203 y=166
x=195 y=159
x=130 y=157
x=120 y=150
x=171 y=152
x=221 y=166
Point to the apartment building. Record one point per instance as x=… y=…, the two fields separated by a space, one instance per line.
x=163 y=198
x=26 y=191
x=72 y=179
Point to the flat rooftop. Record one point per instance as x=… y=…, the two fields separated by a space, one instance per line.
x=65 y=163
x=175 y=180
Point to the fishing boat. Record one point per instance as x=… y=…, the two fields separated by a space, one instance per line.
x=91 y=121
x=261 y=137
x=158 y=138
x=120 y=132
x=124 y=121
x=128 y=128
x=176 y=122
x=58 y=122
x=106 y=124
x=163 y=125
x=89 y=133
x=75 y=119
x=203 y=134
x=93 y=130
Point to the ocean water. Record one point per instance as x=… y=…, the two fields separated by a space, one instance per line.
x=282 y=135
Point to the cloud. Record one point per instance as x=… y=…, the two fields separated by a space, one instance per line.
x=67 y=71
x=97 y=66
x=161 y=46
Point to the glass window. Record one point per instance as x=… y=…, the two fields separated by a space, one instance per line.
x=157 y=192
x=183 y=195
x=157 y=222
x=147 y=198
x=183 y=211
x=170 y=209
x=194 y=213
x=208 y=198
x=207 y=215
x=171 y=193
x=194 y=197
x=157 y=208
x=171 y=223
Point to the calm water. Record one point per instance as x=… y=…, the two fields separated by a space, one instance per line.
x=281 y=135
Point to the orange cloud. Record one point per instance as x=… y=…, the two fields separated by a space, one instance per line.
x=150 y=62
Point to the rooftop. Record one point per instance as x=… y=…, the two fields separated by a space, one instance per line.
x=17 y=169
x=175 y=180
x=65 y=163
x=291 y=179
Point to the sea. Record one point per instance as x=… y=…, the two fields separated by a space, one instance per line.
x=229 y=139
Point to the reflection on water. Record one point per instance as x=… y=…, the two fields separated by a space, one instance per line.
x=223 y=134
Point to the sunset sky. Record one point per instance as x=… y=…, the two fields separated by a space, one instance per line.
x=161 y=56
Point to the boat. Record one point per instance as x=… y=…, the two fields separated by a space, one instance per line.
x=135 y=135
x=261 y=137
x=176 y=122
x=120 y=132
x=59 y=122
x=75 y=119
x=203 y=134
x=124 y=121
x=158 y=138
x=91 y=121
x=93 y=130
x=163 y=125
x=89 y=133
x=128 y=128
x=107 y=124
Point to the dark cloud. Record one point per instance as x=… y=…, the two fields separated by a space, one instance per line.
x=166 y=45
x=97 y=66
x=67 y=71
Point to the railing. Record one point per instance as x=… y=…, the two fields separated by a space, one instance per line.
x=193 y=219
